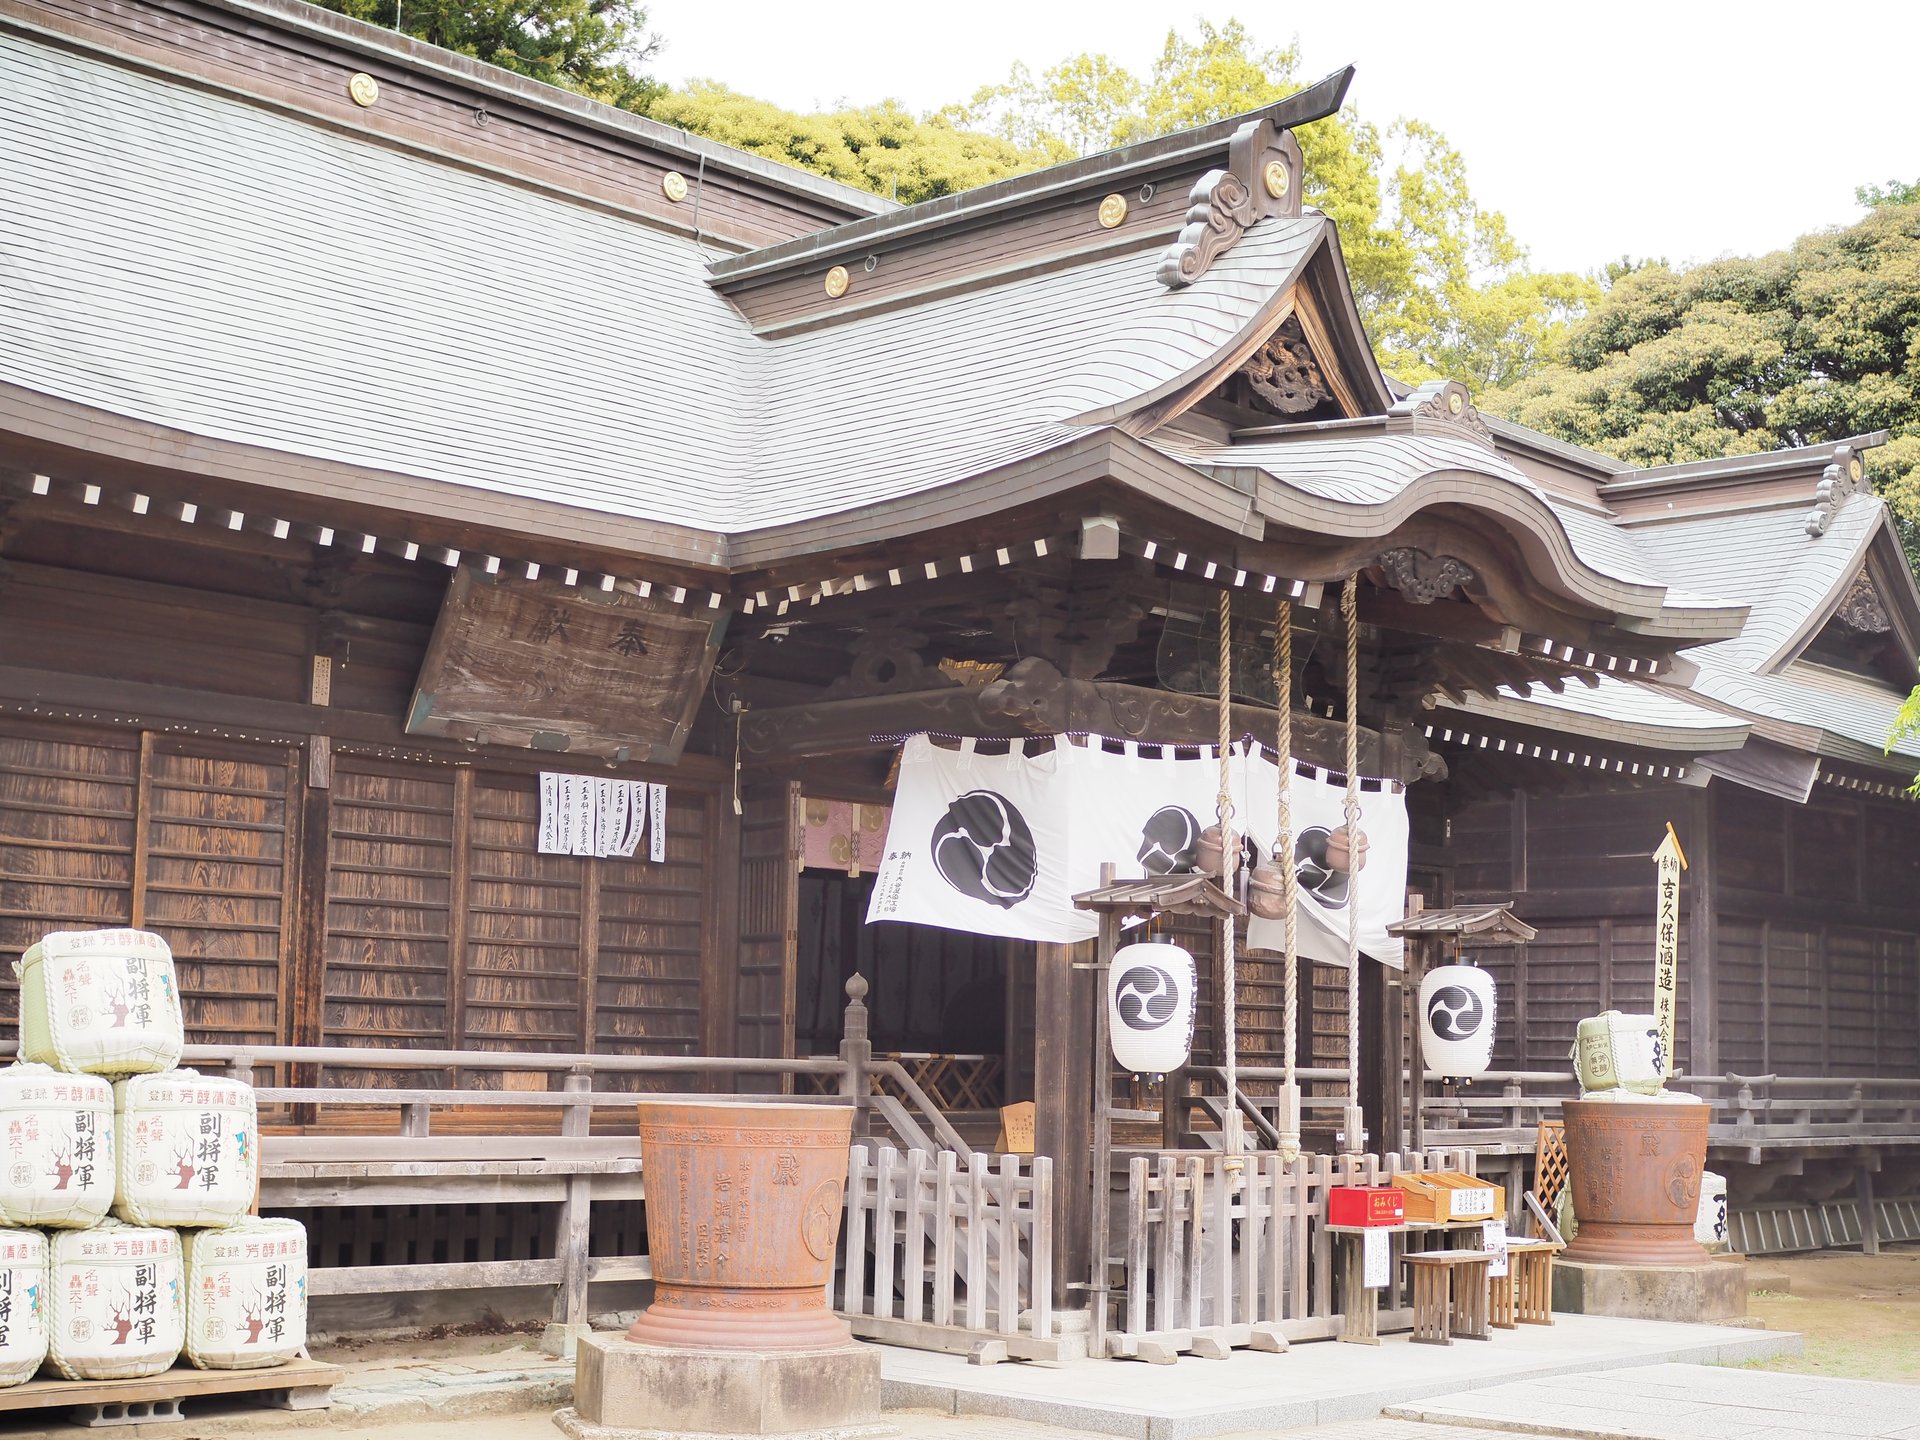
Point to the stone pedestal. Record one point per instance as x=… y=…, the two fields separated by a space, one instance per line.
x=1709 y=1293
x=624 y=1390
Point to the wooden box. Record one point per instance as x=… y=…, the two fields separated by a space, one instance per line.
x=1366 y=1205
x=1446 y=1196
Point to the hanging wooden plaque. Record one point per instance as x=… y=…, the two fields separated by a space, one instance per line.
x=543 y=665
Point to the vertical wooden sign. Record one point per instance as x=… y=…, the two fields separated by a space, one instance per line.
x=1670 y=861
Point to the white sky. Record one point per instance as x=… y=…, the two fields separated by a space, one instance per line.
x=1685 y=129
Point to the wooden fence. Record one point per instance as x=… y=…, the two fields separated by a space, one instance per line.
x=1222 y=1248
x=961 y=1253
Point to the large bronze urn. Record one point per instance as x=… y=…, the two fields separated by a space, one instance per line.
x=743 y=1214
x=1635 y=1171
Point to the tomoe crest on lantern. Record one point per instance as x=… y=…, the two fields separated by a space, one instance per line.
x=1150 y=1007
x=1456 y=1020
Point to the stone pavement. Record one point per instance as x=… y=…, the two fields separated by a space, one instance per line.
x=1677 y=1402
x=1322 y=1384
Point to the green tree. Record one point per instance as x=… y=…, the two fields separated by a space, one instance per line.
x=593 y=46
x=1443 y=287
x=1894 y=192
x=1906 y=726
x=1816 y=342
x=882 y=148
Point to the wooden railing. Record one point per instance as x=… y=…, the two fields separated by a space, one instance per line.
x=1500 y=1111
x=960 y=1252
x=1217 y=1249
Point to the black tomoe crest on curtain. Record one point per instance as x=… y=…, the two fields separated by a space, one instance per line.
x=1319 y=879
x=984 y=848
x=1455 y=1012
x=1168 y=841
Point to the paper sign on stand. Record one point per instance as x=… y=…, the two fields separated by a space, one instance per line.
x=1493 y=1239
x=1376 y=1256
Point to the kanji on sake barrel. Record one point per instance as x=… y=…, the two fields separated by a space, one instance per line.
x=743 y=1216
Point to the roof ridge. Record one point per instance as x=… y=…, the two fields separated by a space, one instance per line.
x=987 y=202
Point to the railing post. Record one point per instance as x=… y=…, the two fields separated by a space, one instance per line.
x=416 y=1119
x=240 y=1068
x=1516 y=1112
x=577 y=1118
x=856 y=1053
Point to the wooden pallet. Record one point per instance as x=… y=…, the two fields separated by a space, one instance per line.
x=297 y=1385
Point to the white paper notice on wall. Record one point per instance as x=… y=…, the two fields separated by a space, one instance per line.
x=1493 y=1239
x=585 y=815
x=657 y=823
x=1376 y=1259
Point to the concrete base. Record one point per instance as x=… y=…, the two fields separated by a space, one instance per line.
x=1702 y=1294
x=629 y=1391
x=563 y=1341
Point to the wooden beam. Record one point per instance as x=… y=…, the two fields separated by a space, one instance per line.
x=1041 y=701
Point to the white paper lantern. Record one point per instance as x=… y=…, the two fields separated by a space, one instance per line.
x=1150 y=1007
x=1456 y=1020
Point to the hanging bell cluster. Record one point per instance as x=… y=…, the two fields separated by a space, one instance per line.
x=1266 y=885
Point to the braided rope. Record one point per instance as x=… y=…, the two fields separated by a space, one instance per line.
x=1289 y=881
x=1350 y=604
x=1228 y=856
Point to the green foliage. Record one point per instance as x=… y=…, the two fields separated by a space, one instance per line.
x=1814 y=343
x=592 y=46
x=1441 y=283
x=1906 y=726
x=1894 y=192
x=881 y=148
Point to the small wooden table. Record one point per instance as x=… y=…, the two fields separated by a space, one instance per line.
x=1450 y=1293
x=1525 y=1295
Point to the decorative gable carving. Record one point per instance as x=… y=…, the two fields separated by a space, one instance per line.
x=1263 y=178
x=1445 y=406
x=1861 y=609
x=1421 y=578
x=1845 y=476
x=1283 y=375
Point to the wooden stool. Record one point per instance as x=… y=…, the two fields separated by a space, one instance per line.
x=1449 y=1295
x=1529 y=1282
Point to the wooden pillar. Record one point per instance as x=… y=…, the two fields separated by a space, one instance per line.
x=1373 y=1044
x=1703 y=1003
x=307 y=957
x=1389 y=1129
x=1062 y=1081
x=1869 y=1220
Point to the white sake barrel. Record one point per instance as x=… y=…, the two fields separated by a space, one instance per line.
x=1456 y=1020
x=57 y=1168
x=114 y=1308
x=1612 y=1051
x=189 y=1150
x=246 y=1294
x=100 y=1001
x=1710 y=1226
x=1150 y=1007
x=23 y=1305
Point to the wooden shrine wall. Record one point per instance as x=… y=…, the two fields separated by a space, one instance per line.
x=160 y=767
x=1578 y=869
x=1817 y=966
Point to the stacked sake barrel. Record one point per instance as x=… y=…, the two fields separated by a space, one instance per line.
x=126 y=1184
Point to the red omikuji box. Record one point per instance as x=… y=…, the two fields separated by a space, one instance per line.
x=1366 y=1205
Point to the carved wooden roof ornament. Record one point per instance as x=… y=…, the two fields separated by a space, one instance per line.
x=1263 y=178
x=1421 y=578
x=1861 y=609
x=1845 y=475
x=1284 y=374
x=1445 y=406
